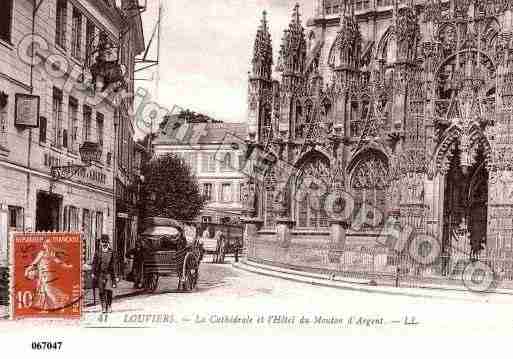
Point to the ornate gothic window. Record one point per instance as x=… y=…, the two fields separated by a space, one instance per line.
x=326 y=111
x=386 y=54
x=311 y=189
x=268 y=199
x=390 y=50
x=299 y=120
x=359 y=113
x=266 y=122
x=355 y=119
x=368 y=185
x=326 y=118
x=459 y=68
x=303 y=118
x=448 y=38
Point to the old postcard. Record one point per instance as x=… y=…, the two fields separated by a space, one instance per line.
x=302 y=169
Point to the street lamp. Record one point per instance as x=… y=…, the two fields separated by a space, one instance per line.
x=89 y=152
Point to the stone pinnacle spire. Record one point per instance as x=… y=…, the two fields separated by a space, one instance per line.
x=293 y=46
x=262 y=50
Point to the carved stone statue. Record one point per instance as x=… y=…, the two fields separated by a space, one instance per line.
x=414 y=186
x=281 y=202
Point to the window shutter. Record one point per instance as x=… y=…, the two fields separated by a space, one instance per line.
x=42 y=129
x=65 y=138
x=5 y=21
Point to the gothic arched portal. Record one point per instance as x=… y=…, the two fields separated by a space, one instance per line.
x=465 y=205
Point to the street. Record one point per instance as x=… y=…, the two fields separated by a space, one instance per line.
x=233 y=305
x=232 y=298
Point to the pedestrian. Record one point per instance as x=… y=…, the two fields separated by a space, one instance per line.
x=221 y=245
x=104 y=268
x=137 y=254
x=237 y=248
x=218 y=238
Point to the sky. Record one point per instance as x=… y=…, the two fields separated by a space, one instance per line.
x=206 y=50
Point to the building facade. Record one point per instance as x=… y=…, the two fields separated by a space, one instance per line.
x=215 y=163
x=128 y=153
x=58 y=95
x=400 y=108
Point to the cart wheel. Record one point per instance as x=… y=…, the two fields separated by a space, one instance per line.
x=149 y=282
x=146 y=282
x=196 y=270
x=188 y=278
x=153 y=282
x=187 y=283
x=196 y=278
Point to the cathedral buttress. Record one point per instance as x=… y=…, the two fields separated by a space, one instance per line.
x=344 y=60
x=291 y=64
x=260 y=83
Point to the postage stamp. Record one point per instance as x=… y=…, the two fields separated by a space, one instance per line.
x=46 y=275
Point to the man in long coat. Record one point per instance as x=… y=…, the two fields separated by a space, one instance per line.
x=104 y=268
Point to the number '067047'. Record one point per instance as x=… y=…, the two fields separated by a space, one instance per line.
x=46 y=345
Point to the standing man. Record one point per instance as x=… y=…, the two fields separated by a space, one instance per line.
x=237 y=247
x=137 y=253
x=104 y=267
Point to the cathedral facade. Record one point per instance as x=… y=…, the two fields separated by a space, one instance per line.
x=383 y=111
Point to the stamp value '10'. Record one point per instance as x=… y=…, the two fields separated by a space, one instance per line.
x=46 y=275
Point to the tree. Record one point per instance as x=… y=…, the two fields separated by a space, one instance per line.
x=186 y=116
x=170 y=189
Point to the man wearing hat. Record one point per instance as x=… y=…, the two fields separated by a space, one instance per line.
x=104 y=267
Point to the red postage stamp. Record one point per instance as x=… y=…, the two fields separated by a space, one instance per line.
x=46 y=275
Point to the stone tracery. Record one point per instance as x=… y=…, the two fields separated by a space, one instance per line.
x=432 y=96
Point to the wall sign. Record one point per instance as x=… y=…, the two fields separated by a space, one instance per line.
x=26 y=110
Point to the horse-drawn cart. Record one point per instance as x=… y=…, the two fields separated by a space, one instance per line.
x=183 y=264
x=221 y=240
x=169 y=253
x=213 y=246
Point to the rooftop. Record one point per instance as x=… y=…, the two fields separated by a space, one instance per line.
x=175 y=133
